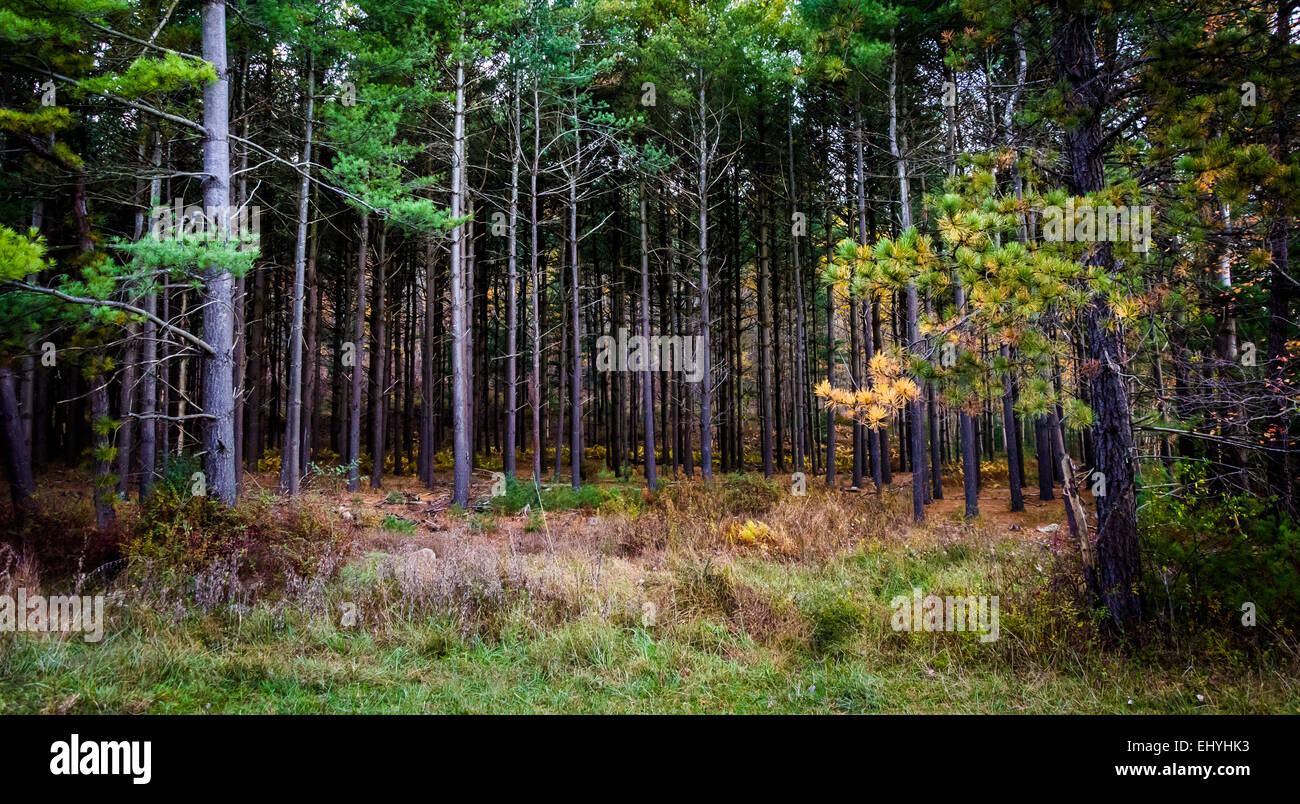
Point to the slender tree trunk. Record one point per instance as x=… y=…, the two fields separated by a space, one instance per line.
x=290 y=473
x=917 y=408
x=1280 y=474
x=647 y=385
x=149 y=382
x=18 y=467
x=830 y=364
x=801 y=379
x=706 y=389
x=311 y=359
x=512 y=292
x=1043 y=448
x=104 y=491
x=378 y=361
x=764 y=324
x=459 y=323
x=358 y=337
x=428 y=399
x=575 y=440
x=1015 y=481
x=534 y=389
x=873 y=435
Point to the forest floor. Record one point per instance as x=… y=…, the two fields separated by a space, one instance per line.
x=733 y=596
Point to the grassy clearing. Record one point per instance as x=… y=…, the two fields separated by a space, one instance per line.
x=678 y=602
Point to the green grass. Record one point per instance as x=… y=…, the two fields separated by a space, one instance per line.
x=588 y=497
x=586 y=666
x=749 y=636
x=397 y=524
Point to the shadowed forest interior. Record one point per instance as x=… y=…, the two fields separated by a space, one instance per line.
x=952 y=273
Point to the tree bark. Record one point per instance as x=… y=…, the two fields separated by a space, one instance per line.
x=1116 y=584
x=358 y=336
x=378 y=356
x=459 y=324
x=647 y=384
x=290 y=473
x=512 y=292
x=706 y=389
x=18 y=467
x=218 y=369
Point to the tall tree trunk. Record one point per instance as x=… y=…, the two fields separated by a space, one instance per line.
x=149 y=382
x=764 y=324
x=427 y=397
x=378 y=357
x=801 y=379
x=1281 y=480
x=575 y=404
x=18 y=467
x=917 y=408
x=873 y=435
x=99 y=422
x=830 y=363
x=218 y=368
x=512 y=291
x=1014 y=480
x=534 y=249
x=358 y=337
x=459 y=323
x=1116 y=584
x=647 y=385
x=290 y=473
x=706 y=389
x=239 y=295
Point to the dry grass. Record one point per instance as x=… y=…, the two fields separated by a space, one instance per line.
x=632 y=609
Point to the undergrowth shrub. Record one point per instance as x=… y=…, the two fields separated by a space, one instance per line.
x=397 y=524
x=745 y=494
x=262 y=545
x=589 y=497
x=1205 y=556
x=834 y=620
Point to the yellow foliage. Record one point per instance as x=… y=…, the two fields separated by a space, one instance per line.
x=754 y=533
